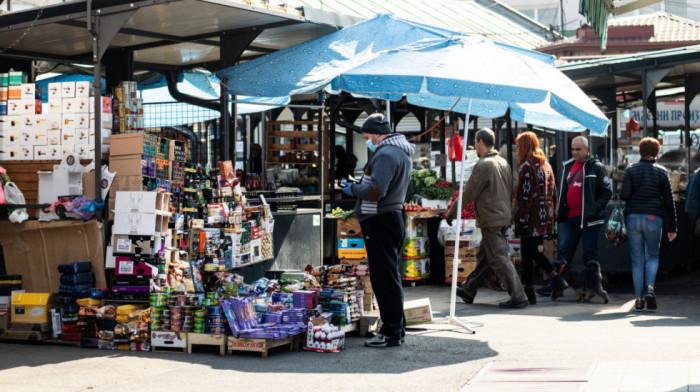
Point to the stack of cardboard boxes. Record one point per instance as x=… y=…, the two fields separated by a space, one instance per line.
x=351 y=250
x=144 y=161
x=468 y=247
x=140 y=226
x=416 y=250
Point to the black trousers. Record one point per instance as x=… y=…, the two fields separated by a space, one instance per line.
x=384 y=236
x=531 y=255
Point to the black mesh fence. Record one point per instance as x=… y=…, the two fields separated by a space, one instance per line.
x=199 y=126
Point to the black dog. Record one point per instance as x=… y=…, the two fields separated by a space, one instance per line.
x=586 y=276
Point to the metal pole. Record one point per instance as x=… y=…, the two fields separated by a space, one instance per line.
x=455 y=260
x=98 y=105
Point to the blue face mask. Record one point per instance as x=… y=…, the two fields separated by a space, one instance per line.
x=371 y=145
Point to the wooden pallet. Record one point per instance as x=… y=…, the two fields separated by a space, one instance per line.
x=260 y=345
x=208 y=339
x=160 y=349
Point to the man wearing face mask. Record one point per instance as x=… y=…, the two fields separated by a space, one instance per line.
x=379 y=208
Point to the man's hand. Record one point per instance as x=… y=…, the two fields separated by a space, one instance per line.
x=672 y=236
x=346 y=188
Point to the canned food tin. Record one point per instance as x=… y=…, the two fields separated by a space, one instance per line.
x=216 y=320
x=214 y=310
x=215 y=328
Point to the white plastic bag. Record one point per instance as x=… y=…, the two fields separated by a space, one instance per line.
x=15 y=196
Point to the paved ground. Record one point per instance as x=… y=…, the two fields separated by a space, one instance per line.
x=558 y=346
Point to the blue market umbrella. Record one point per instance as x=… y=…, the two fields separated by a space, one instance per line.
x=387 y=57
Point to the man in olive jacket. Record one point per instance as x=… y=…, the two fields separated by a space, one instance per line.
x=490 y=187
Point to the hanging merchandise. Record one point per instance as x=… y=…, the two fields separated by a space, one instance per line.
x=454 y=146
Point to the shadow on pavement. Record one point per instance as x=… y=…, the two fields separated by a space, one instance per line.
x=419 y=352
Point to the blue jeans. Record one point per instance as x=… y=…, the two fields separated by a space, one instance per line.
x=644 y=236
x=570 y=233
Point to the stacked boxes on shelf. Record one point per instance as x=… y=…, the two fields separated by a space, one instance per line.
x=133 y=157
x=70 y=121
x=416 y=259
x=129 y=109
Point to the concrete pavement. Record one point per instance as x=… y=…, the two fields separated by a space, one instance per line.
x=585 y=346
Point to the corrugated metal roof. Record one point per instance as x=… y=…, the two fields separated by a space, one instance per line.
x=492 y=19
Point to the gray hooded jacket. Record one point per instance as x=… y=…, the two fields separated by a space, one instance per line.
x=387 y=174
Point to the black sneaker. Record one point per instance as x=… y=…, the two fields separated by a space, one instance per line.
x=381 y=341
x=512 y=305
x=531 y=298
x=651 y=299
x=546 y=290
x=639 y=305
x=466 y=298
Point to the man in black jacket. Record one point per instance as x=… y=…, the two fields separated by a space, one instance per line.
x=584 y=192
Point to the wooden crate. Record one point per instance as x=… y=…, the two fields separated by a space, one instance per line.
x=260 y=345
x=207 y=339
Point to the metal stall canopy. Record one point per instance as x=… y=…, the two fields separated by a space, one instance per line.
x=160 y=35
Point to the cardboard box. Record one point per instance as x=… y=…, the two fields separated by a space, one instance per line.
x=349 y=228
x=463 y=270
x=127 y=144
x=351 y=248
x=55 y=91
x=416 y=248
x=106 y=105
x=16 y=78
x=416 y=227
x=41 y=153
x=168 y=339
x=142 y=202
x=3 y=93
x=84 y=89
x=55 y=121
x=126 y=266
x=14 y=93
x=14 y=108
x=29 y=91
x=127 y=165
x=68 y=90
x=467 y=252
x=134 y=223
x=124 y=244
x=31 y=307
x=416 y=268
x=418 y=311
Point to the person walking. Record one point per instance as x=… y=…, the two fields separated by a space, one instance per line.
x=584 y=192
x=646 y=190
x=490 y=188
x=379 y=208
x=692 y=199
x=535 y=211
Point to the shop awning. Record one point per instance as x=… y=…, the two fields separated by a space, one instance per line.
x=162 y=33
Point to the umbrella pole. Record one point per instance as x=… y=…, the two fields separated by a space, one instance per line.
x=455 y=261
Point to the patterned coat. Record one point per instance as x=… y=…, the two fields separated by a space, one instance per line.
x=535 y=200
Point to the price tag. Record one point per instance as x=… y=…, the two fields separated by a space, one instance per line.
x=124 y=245
x=126 y=268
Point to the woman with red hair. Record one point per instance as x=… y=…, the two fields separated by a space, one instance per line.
x=535 y=212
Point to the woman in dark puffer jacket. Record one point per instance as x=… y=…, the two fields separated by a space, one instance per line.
x=646 y=189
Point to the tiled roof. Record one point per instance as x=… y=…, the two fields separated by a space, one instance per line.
x=488 y=18
x=667 y=27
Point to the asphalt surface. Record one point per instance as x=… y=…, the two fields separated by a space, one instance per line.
x=436 y=357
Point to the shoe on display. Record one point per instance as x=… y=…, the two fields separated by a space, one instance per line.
x=382 y=341
x=546 y=290
x=650 y=299
x=639 y=305
x=512 y=305
x=466 y=298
